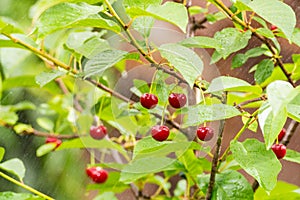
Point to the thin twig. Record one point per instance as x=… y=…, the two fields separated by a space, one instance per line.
x=215 y=160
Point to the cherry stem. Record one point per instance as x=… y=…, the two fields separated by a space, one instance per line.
x=152 y=81
x=26 y=187
x=92 y=157
x=163 y=114
x=246 y=125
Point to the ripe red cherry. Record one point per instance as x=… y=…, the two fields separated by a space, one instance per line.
x=97 y=174
x=281 y=134
x=273 y=28
x=177 y=100
x=148 y=100
x=279 y=150
x=160 y=133
x=98 y=132
x=205 y=133
x=54 y=140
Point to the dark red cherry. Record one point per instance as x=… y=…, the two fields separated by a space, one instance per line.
x=148 y=101
x=97 y=174
x=205 y=133
x=177 y=100
x=98 y=132
x=279 y=150
x=160 y=133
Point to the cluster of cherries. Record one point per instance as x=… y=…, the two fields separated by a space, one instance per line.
x=176 y=100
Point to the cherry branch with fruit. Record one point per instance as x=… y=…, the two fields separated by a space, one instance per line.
x=94 y=80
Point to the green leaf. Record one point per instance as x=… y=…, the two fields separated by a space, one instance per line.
x=171 y=12
x=296 y=36
x=264 y=70
x=282 y=191
x=292 y=156
x=67 y=15
x=275 y=12
x=265 y=32
x=257 y=161
x=280 y=93
x=240 y=59
x=253 y=126
x=226 y=83
x=271 y=124
x=45 y=123
x=23 y=105
x=228 y=185
x=186 y=61
x=46 y=77
x=103 y=61
x=200 y=42
x=9 y=118
x=111 y=184
x=141 y=3
x=142 y=24
x=231 y=40
x=14 y=166
x=21 y=128
x=18 y=196
x=2 y=152
x=199 y=114
x=145 y=166
x=192 y=164
x=87 y=44
x=88 y=142
x=147 y=147
x=106 y=195
x=45 y=149
x=28 y=81
x=293 y=108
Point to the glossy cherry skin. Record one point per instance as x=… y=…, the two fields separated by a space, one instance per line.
x=205 y=133
x=97 y=174
x=54 y=140
x=148 y=101
x=281 y=134
x=98 y=132
x=177 y=100
x=160 y=133
x=279 y=150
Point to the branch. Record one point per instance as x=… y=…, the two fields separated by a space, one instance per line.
x=134 y=43
x=215 y=160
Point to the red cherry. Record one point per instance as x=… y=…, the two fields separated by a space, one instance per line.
x=97 y=174
x=205 y=133
x=53 y=140
x=160 y=133
x=279 y=150
x=149 y=100
x=281 y=134
x=177 y=100
x=98 y=132
x=273 y=28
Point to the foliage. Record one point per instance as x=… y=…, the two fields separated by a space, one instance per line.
x=64 y=74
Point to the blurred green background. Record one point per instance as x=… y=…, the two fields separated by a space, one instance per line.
x=58 y=174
